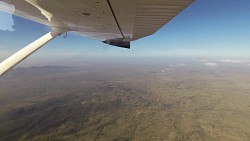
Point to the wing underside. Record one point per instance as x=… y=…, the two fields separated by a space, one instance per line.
x=123 y=20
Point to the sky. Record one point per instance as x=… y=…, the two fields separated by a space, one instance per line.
x=207 y=28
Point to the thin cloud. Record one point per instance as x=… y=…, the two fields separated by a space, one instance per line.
x=180 y=65
x=211 y=64
x=233 y=61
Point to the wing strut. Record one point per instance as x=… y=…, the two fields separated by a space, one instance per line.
x=28 y=50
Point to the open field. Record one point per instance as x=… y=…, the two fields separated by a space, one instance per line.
x=171 y=101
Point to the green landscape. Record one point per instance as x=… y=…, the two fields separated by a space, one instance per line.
x=162 y=100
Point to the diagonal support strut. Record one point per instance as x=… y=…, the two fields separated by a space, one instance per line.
x=27 y=51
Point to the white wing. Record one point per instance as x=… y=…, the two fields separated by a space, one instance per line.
x=102 y=19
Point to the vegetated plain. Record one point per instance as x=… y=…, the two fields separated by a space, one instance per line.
x=169 y=100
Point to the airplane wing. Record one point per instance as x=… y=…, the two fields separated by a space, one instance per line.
x=115 y=22
x=101 y=19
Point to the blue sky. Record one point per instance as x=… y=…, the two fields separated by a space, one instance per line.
x=208 y=28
